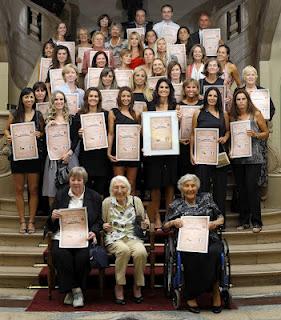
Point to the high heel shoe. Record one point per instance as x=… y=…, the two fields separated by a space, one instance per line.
x=30 y=227
x=22 y=228
x=217 y=309
x=194 y=309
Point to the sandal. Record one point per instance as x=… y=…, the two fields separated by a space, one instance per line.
x=31 y=227
x=22 y=227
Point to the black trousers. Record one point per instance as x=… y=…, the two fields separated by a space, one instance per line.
x=211 y=176
x=72 y=265
x=100 y=184
x=247 y=177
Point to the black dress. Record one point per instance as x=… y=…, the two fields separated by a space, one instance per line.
x=204 y=82
x=120 y=118
x=160 y=171
x=34 y=165
x=201 y=270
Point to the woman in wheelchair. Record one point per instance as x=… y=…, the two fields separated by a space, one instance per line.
x=201 y=270
x=73 y=265
x=123 y=215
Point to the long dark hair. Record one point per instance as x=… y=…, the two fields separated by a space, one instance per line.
x=40 y=85
x=171 y=98
x=170 y=67
x=188 y=46
x=131 y=106
x=94 y=61
x=45 y=45
x=55 y=62
x=218 y=106
x=85 y=107
x=19 y=113
x=234 y=111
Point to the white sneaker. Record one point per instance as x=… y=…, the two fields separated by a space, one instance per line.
x=78 y=299
x=68 y=298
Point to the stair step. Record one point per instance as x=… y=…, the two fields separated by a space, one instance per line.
x=18 y=277
x=10 y=237
x=9 y=204
x=20 y=256
x=12 y=221
x=256 y=292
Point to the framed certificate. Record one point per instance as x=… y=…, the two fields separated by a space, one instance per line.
x=73 y=228
x=206 y=146
x=56 y=79
x=71 y=47
x=170 y=33
x=128 y=142
x=222 y=90
x=152 y=81
x=94 y=131
x=72 y=100
x=45 y=64
x=211 y=38
x=43 y=107
x=186 y=121
x=194 y=234
x=241 y=143
x=93 y=76
x=58 y=140
x=177 y=52
x=178 y=91
x=24 y=142
x=123 y=77
x=93 y=52
x=261 y=100
x=140 y=31
x=109 y=98
x=139 y=106
x=160 y=133
x=80 y=54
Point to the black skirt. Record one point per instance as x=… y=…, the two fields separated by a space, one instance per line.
x=26 y=166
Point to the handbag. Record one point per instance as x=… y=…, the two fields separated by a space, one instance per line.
x=138 y=231
x=61 y=174
x=98 y=256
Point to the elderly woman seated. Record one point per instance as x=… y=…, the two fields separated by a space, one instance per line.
x=201 y=270
x=73 y=264
x=122 y=213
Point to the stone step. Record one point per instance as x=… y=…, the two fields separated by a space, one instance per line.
x=9 y=204
x=255 y=292
x=19 y=276
x=20 y=256
x=256 y=274
x=12 y=221
x=10 y=237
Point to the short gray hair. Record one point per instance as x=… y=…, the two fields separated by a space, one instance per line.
x=121 y=179
x=188 y=177
x=79 y=172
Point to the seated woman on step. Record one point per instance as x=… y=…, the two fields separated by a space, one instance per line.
x=73 y=265
x=122 y=214
x=201 y=270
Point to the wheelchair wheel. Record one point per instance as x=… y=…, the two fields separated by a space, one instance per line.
x=169 y=266
x=226 y=297
x=176 y=299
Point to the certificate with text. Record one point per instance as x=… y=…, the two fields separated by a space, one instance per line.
x=152 y=81
x=94 y=131
x=58 y=140
x=73 y=228
x=24 y=142
x=45 y=64
x=193 y=236
x=169 y=32
x=211 y=38
x=160 y=133
x=56 y=79
x=139 y=106
x=140 y=31
x=128 y=142
x=206 y=146
x=109 y=99
x=261 y=100
x=241 y=143
x=93 y=76
x=80 y=54
x=43 y=107
x=123 y=77
x=177 y=52
x=72 y=100
x=71 y=47
x=178 y=91
x=186 y=121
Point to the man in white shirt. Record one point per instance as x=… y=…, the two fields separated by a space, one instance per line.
x=167 y=28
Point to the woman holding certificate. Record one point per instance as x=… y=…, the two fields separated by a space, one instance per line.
x=25 y=164
x=201 y=270
x=75 y=208
x=197 y=59
x=136 y=47
x=107 y=79
x=212 y=71
x=247 y=167
x=148 y=56
x=204 y=149
x=124 y=114
x=140 y=87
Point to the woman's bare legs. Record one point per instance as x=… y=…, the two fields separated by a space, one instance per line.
x=19 y=189
x=33 y=181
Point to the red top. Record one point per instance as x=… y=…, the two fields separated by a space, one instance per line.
x=138 y=61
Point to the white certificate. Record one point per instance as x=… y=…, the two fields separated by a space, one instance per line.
x=170 y=33
x=206 y=146
x=94 y=131
x=127 y=142
x=160 y=133
x=72 y=100
x=93 y=52
x=194 y=234
x=58 y=140
x=43 y=107
x=140 y=31
x=152 y=81
x=261 y=100
x=24 y=142
x=80 y=54
x=139 y=106
x=211 y=38
x=45 y=64
x=241 y=143
x=177 y=52
x=56 y=79
x=71 y=47
x=222 y=90
x=93 y=77
x=186 y=121
x=178 y=91
x=73 y=228
x=109 y=99
x=123 y=77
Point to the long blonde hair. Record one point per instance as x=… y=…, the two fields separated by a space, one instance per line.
x=140 y=45
x=52 y=112
x=146 y=91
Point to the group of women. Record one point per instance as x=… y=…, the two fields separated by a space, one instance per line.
x=118 y=212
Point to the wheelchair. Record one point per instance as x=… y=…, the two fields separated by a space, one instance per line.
x=173 y=271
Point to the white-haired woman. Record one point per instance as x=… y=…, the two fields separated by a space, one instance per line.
x=121 y=213
x=201 y=270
